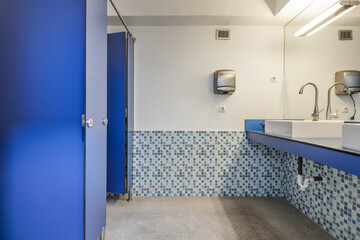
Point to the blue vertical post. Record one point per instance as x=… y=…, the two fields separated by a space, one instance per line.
x=96 y=100
x=130 y=108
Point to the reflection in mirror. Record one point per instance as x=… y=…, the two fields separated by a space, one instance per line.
x=330 y=15
x=317 y=58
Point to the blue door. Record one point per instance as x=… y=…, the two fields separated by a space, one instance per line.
x=116 y=112
x=95 y=150
x=42 y=77
x=52 y=176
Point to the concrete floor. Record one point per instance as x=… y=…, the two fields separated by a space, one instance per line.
x=208 y=218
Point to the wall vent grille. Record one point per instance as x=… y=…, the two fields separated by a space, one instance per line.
x=345 y=35
x=223 y=34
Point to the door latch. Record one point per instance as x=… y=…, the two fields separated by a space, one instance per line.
x=90 y=123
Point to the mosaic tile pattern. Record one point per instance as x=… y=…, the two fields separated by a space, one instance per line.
x=207 y=163
x=130 y=156
x=334 y=205
x=203 y=163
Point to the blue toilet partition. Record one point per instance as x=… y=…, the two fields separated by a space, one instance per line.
x=116 y=154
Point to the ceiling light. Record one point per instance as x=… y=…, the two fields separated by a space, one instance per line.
x=330 y=15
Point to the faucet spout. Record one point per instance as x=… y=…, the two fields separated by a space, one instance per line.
x=316 y=112
x=329 y=115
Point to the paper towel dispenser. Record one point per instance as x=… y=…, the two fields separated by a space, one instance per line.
x=224 y=82
x=350 y=78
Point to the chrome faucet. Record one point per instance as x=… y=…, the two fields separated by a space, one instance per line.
x=316 y=112
x=329 y=114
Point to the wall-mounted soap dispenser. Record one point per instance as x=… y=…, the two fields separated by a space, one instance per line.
x=350 y=78
x=224 y=82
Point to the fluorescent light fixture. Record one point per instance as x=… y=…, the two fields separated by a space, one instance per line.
x=330 y=15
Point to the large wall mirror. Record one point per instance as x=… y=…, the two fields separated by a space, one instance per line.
x=316 y=58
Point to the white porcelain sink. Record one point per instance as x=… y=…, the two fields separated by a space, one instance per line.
x=351 y=136
x=305 y=128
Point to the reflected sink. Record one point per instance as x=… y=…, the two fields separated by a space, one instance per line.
x=305 y=128
x=351 y=135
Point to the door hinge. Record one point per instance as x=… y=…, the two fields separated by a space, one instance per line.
x=126 y=113
x=83 y=120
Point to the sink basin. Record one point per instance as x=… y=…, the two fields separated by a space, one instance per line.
x=351 y=136
x=305 y=128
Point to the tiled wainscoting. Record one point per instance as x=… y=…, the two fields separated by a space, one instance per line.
x=224 y=163
x=334 y=205
x=203 y=163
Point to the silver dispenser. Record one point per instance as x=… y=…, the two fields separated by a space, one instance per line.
x=224 y=82
x=350 y=78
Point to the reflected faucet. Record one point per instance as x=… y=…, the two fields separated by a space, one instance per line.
x=316 y=112
x=329 y=114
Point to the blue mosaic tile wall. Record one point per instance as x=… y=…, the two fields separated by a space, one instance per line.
x=203 y=163
x=334 y=205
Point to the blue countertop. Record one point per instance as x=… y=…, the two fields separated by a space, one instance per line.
x=330 y=143
x=327 y=151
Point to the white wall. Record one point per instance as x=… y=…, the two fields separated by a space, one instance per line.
x=174 y=77
x=316 y=59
